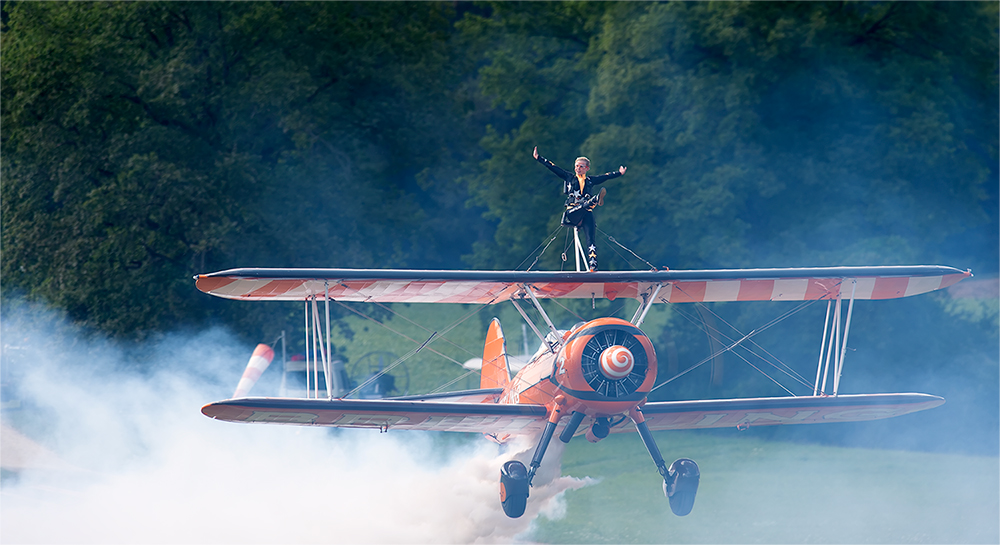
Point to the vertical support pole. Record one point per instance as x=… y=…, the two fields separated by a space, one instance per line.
x=317 y=347
x=578 y=252
x=847 y=329
x=284 y=352
x=306 y=314
x=822 y=344
x=835 y=345
x=328 y=366
x=312 y=343
x=829 y=349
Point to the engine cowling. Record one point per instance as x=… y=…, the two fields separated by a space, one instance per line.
x=607 y=365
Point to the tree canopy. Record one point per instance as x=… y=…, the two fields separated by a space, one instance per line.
x=756 y=133
x=147 y=142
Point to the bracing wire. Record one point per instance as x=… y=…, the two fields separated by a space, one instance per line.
x=567 y=309
x=456 y=345
x=391 y=366
x=637 y=256
x=733 y=345
x=410 y=354
x=566 y=246
x=786 y=369
x=414 y=351
x=790 y=372
x=453 y=381
x=619 y=254
x=411 y=339
x=551 y=237
x=719 y=335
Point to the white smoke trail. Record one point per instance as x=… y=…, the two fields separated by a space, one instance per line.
x=149 y=468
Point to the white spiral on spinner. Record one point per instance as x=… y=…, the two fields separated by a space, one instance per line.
x=616 y=362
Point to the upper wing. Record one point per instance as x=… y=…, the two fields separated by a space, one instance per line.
x=484 y=287
x=771 y=411
x=428 y=415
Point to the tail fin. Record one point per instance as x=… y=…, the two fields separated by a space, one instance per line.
x=261 y=358
x=495 y=373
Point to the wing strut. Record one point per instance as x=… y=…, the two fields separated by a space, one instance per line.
x=531 y=325
x=534 y=301
x=647 y=302
x=836 y=349
x=822 y=345
x=541 y=310
x=332 y=382
x=847 y=329
x=319 y=351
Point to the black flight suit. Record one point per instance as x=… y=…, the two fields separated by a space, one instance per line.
x=580 y=204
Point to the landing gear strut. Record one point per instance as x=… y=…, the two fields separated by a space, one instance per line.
x=515 y=480
x=680 y=480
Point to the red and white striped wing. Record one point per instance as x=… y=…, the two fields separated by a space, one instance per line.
x=776 y=411
x=524 y=419
x=483 y=287
x=386 y=414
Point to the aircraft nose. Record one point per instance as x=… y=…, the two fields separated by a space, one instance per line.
x=616 y=362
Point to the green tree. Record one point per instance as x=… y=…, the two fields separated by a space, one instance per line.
x=756 y=133
x=147 y=142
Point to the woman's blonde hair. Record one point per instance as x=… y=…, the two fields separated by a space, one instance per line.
x=584 y=159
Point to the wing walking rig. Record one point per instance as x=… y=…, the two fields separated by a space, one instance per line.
x=591 y=380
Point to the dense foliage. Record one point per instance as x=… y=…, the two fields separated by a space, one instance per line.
x=757 y=134
x=146 y=142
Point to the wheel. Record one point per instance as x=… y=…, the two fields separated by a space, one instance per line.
x=513 y=488
x=681 y=485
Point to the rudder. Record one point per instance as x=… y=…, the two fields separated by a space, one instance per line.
x=495 y=372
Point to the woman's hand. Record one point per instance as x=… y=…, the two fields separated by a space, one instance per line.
x=535 y=153
x=621 y=169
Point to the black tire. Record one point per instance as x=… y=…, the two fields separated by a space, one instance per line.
x=513 y=488
x=681 y=485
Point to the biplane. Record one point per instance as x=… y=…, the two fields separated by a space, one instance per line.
x=592 y=379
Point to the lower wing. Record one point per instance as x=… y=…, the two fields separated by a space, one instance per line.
x=430 y=414
x=445 y=413
x=772 y=411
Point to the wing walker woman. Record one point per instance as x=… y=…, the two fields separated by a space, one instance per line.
x=580 y=199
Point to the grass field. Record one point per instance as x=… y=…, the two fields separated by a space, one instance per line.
x=758 y=491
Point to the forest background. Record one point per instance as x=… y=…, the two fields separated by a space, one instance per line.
x=146 y=142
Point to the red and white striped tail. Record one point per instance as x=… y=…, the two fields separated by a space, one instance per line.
x=261 y=358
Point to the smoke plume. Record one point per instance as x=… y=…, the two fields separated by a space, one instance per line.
x=138 y=463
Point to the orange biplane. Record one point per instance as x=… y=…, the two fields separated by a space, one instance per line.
x=591 y=380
